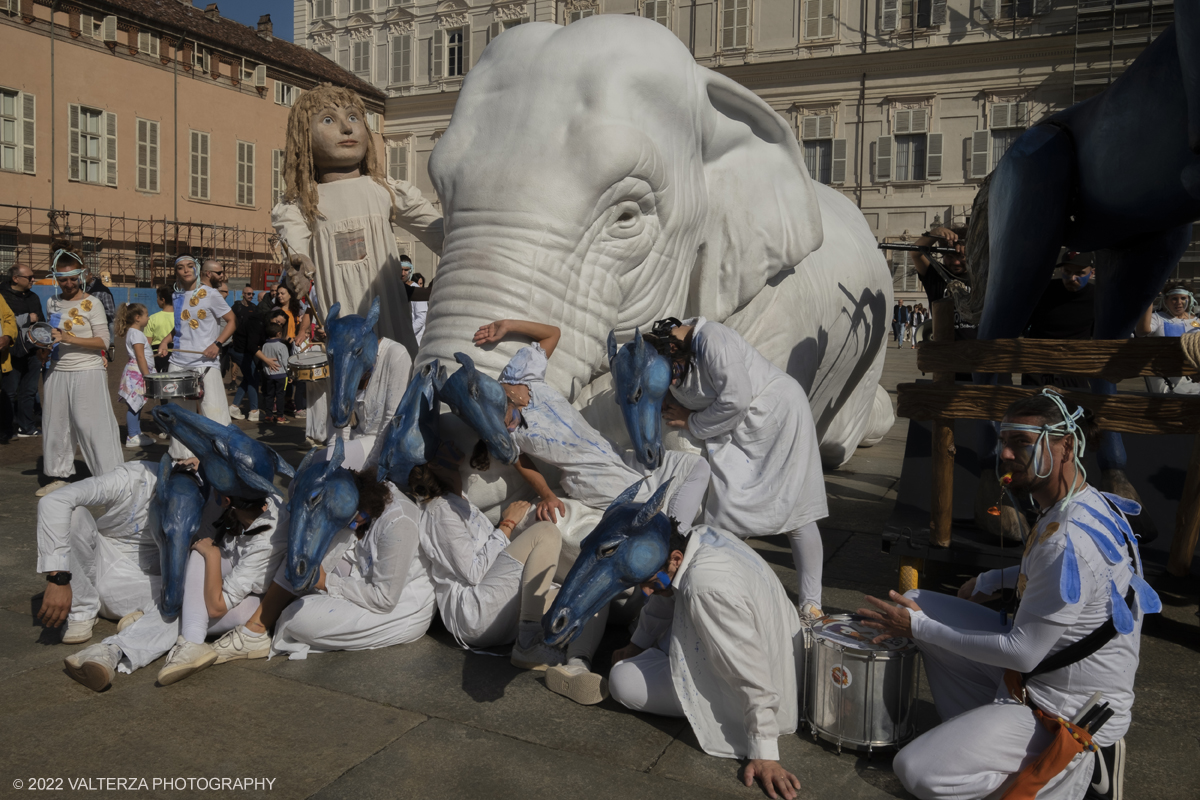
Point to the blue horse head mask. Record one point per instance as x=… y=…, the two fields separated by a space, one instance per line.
x=179 y=499
x=351 y=345
x=479 y=400
x=230 y=461
x=411 y=437
x=631 y=544
x=322 y=500
x=641 y=378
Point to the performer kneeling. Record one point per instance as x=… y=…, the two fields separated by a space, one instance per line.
x=1006 y=687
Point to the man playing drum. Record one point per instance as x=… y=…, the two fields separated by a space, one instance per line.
x=203 y=323
x=1011 y=689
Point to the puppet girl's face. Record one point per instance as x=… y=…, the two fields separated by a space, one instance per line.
x=339 y=138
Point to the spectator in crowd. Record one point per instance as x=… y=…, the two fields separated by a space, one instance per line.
x=255 y=338
x=247 y=298
x=1177 y=318
x=8 y=335
x=956 y=265
x=160 y=326
x=212 y=273
x=1066 y=310
x=243 y=312
x=222 y=288
x=899 y=320
x=275 y=373
x=131 y=323
x=420 y=308
x=295 y=334
x=101 y=292
x=21 y=382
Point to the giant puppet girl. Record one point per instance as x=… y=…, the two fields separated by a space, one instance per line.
x=338 y=210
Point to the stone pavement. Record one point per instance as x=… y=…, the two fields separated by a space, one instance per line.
x=428 y=720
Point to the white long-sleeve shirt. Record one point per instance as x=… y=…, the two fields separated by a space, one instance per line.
x=387 y=568
x=126 y=493
x=255 y=559
x=732 y=646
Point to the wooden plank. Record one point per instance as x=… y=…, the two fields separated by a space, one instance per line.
x=1123 y=413
x=1187 y=519
x=1113 y=360
x=941 y=501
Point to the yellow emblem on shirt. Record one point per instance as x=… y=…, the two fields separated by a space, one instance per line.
x=202 y=293
x=87 y=304
x=194 y=300
x=1048 y=532
x=202 y=313
x=74 y=313
x=194 y=324
x=66 y=325
x=184 y=314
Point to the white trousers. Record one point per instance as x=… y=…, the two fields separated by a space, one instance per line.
x=214 y=405
x=109 y=577
x=319 y=623
x=689 y=475
x=77 y=411
x=643 y=683
x=984 y=742
x=809 y=554
x=154 y=634
x=316 y=421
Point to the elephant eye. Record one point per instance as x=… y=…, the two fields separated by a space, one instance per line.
x=607 y=552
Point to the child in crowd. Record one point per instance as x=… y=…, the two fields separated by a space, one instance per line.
x=131 y=323
x=274 y=377
x=160 y=326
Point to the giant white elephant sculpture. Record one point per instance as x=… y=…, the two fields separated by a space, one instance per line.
x=595 y=177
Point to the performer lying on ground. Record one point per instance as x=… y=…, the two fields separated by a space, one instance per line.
x=1002 y=685
x=758 y=429
x=547 y=427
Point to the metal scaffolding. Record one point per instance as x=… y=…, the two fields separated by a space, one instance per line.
x=132 y=251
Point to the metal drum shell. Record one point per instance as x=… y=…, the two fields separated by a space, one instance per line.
x=170 y=385
x=312 y=365
x=872 y=705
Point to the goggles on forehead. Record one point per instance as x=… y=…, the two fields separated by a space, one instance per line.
x=70 y=273
x=1068 y=426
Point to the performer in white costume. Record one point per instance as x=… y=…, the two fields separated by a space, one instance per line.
x=717 y=644
x=77 y=408
x=203 y=324
x=107 y=566
x=222 y=589
x=762 y=444
x=1004 y=686
x=337 y=214
x=547 y=427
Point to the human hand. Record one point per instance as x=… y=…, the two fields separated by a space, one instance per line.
x=192 y=463
x=550 y=509
x=515 y=512
x=162 y=349
x=212 y=351
x=204 y=546
x=491 y=333
x=967 y=592
x=5 y=343
x=942 y=233
x=272 y=363
x=56 y=335
x=676 y=416
x=894 y=621
x=56 y=605
x=628 y=651
x=773 y=777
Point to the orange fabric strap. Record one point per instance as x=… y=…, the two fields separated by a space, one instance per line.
x=1069 y=741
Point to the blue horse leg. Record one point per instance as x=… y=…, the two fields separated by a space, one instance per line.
x=1028 y=208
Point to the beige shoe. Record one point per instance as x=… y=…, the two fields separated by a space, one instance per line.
x=128 y=620
x=576 y=682
x=810 y=613
x=49 y=487
x=94 y=666
x=78 y=631
x=184 y=659
x=239 y=644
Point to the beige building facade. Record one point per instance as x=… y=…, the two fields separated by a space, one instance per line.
x=904 y=105
x=141 y=129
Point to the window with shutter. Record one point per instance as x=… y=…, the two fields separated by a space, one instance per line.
x=322 y=9
x=285 y=94
x=980 y=160
x=402 y=59
x=359 y=5
x=1007 y=122
x=10 y=131
x=884 y=146
x=583 y=13
x=933 y=157
x=245 y=174
x=398 y=162
x=735 y=24
x=658 y=11
x=838 y=172
x=276 y=177
x=437 y=68
x=148 y=43
x=1012 y=9
x=903 y=15
x=73 y=136
x=147 y=155
x=820 y=19
x=909 y=160
x=198 y=189
x=110 y=148
x=28 y=133
x=937 y=13
x=512 y=23
x=361 y=57
x=87 y=145
x=456 y=49
x=889 y=16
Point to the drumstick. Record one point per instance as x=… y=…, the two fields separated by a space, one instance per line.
x=1095 y=698
x=191 y=352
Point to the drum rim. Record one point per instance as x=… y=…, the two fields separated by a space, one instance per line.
x=818 y=633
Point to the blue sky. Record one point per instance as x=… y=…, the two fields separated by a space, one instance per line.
x=247 y=12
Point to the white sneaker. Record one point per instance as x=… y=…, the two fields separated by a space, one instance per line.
x=301 y=413
x=810 y=613
x=240 y=643
x=50 y=487
x=236 y=412
x=147 y=440
x=184 y=659
x=578 y=683
x=311 y=442
x=133 y=442
x=78 y=631
x=253 y=415
x=94 y=666
x=531 y=652
x=128 y=620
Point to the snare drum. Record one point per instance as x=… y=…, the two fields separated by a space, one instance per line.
x=40 y=334
x=859 y=694
x=165 y=385
x=311 y=365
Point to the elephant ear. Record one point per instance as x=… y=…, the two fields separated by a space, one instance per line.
x=762 y=205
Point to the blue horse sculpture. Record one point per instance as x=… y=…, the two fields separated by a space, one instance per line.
x=411 y=436
x=232 y=462
x=352 y=346
x=179 y=499
x=322 y=500
x=641 y=378
x=479 y=400
x=1118 y=174
x=627 y=547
